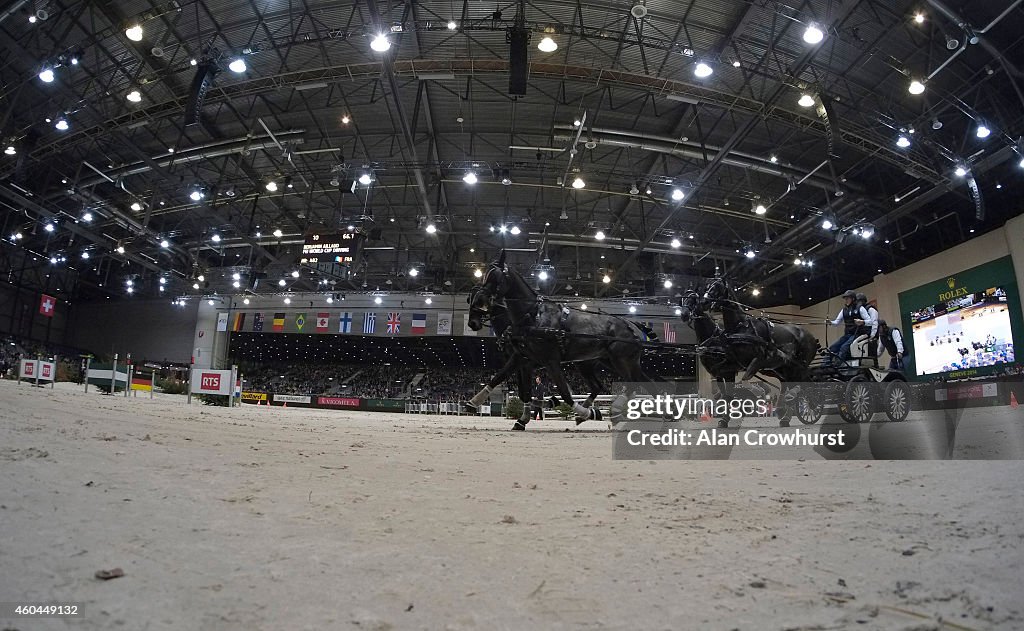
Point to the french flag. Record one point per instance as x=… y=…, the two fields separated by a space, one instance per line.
x=419 y=323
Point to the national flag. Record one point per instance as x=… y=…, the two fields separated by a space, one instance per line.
x=279 y=322
x=257 y=323
x=322 y=321
x=345 y=323
x=419 y=323
x=465 y=325
x=444 y=324
x=394 y=322
x=47 y=305
x=670 y=335
x=239 y=322
x=369 y=322
x=300 y=321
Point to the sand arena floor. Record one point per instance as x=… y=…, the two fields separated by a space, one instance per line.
x=256 y=518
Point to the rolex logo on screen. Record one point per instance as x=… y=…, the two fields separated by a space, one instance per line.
x=951 y=282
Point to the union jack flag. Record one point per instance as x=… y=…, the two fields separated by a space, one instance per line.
x=394 y=322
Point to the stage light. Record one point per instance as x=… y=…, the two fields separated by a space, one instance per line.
x=798 y=261
x=282 y=283
x=502 y=229
x=85 y=255
x=982 y=131
x=632 y=309
x=287 y=301
x=10 y=150
x=607 y=279
x=702 y=70
x=431 y=228
x=667 y=284
x=414 y=272
x=916 y=87
x=676 y=243
x=46 y=75
x=236 y=284
x=215 y=238
x=245 y=301
x=827 y=224
x=755 y=291
x=377 y=300
x=163 y=281
x=813 y=34
x=278 y=233
x=365 y=179
x=547 y=45
x=599 y=235
x=867 y=232
x=61 y=124
x=295 y=273
x=452 y=25
x=760 y=209
x=428 y=301
x=903 y=142
x=136 y=206
x=134 y=32
x=960 y=171
x=130 y=290
x=346 y=119
x=477 y=273
x=193 y=62
x=677 y=195
x=774 y=158
x=53 y=260
x=806 y=100
x=195 y=195
x=195 y=285
x=578 y=183
x=749 y=254
x=919 y=17
x=381 y=44
x=134 y=96
x=237 y=66
x=936 y=124
x=1021 y=163
x=201 y=278
x=32 y=19
x=736 y=64
x=271 y=186
x=49 y=227
x=469 y=178
x=515 y=230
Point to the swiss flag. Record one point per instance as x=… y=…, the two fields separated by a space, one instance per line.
x=323 y=320
x=47 y=305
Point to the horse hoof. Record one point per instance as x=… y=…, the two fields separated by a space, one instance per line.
x=784 y=423
x=519 y=427
x=596 y=416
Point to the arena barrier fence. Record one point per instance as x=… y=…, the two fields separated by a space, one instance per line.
x=38 y=370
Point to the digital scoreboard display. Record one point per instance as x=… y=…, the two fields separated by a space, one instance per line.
x=340 y=248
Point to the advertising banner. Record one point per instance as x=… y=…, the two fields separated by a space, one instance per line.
x=292 y=398
x=34 y=368
x=206 y=381
x=254 y=397
x=338 y=402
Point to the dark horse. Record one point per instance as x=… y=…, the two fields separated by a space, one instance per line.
x=783 y=351
x=548 y=334
x=481 y=310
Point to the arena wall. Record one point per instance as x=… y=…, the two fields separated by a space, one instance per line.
x=148 y=329
x=20 y=317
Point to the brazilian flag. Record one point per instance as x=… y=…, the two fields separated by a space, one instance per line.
x=300 y=321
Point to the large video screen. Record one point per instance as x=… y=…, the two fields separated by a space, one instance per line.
x=340 y=248
x=971 y=331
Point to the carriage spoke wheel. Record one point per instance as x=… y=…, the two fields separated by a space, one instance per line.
x=809 y=409
x=858 y=404
x=897 y=400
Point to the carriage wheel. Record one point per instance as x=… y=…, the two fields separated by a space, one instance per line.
x=858 y=404
x=897 y=400
x=809 y=409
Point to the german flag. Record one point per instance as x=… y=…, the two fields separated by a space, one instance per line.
x=279 y=322
x=239 y=322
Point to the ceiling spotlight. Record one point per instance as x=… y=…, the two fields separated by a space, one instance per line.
x=195 y=195
x=236 y=284
x=282 y=283
x=61 y=124
x=469 y=178
x=163 y=281
x=381 y=44
x=245 y=301
x=377 y=300
x=271 y=186
x=278 y=233
x=330 y=300
x=702 y=70
x=201 y=278
x=677 y=195
x=477 y=273
x=606 y=279
x=936 y=124
x=134 y=32
x=193 y=62
x=32 y=19
x=46 y=76
x=903 y=142
x=120 y=249
x=295 y=273
x=165 y=244
x=982 y=131
x=346 y=119
x=773 y=159
x=49 y=227
x=798 y=261
x=431 y=228
x=667 y=284
x=452 y=25
x=134 y=96
x=632 y=309
x=87 y=217
x=960 y=171
x=414 y=272
x=287 y=301
x=53 y=260
x=806 y=100
x=365 y=179
x=599 y=236
x=515 y=230
x=85 y=255
x=547 y=45
x=952 y=43
x=916 y=87
x=1021 y=163
x=813 y=34
x=749 y=253
x=542 y=275
x=136 y=206
x=736 y=64
x=867 y=232
x=506 y=180
x=215 y=238
x=675 y=243
x=919 y=17
x=237 y=66
x=755 y=292
x=827 y=224
x=578 y=183
x=10 y=150
x=583 y=306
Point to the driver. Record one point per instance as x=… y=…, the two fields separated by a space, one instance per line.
x=892 y=341
x=847 y=318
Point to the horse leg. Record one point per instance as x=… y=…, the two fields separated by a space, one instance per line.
x=588 y=370
x=523 y=390
x=725 y=383
x=558 y=377
x=784 y=410
x=511 y=364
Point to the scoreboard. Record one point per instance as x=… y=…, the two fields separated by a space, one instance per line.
x=340 y=248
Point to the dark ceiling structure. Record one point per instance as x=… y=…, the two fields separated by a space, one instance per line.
x=800 y=147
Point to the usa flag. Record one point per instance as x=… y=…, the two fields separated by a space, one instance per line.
x=670 y=335
x=394 y=322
